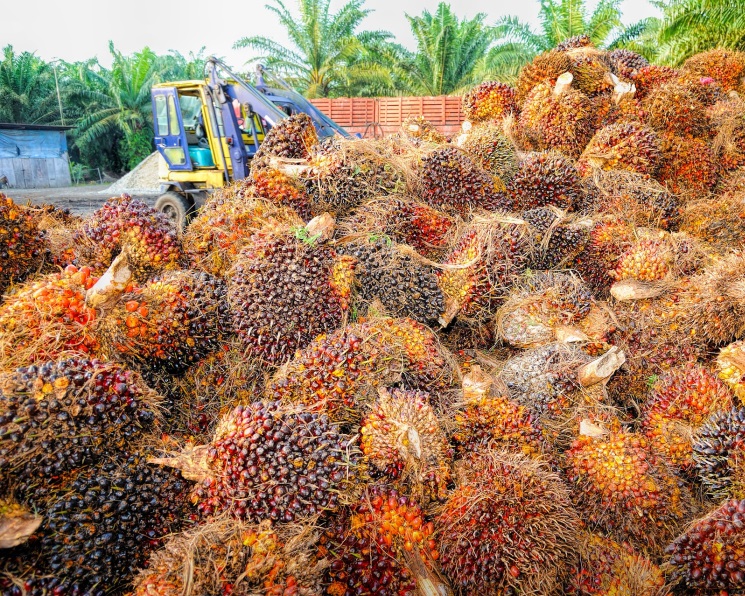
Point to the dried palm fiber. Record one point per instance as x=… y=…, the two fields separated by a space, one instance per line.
x=650 y=77
x=47 y=317
x=689 y=167
x=623 y=488
x=17 y=523
x=339 y=373
x=226 y=223
x=545 y=179
x=342 y=173
x=557 y=117
x=489 y=101
x=544 y=68
x=608 y=238
x=730 y=364
x=673 y=108
x=226 y=556
x=591 y=70
x=404 y=285
x=727 y=121
x=619 y=106
x=286 y=287
x=606 y=567
x=282 y=190
x=681 y=400
x=99 y=528
x=419 y=128
x=462 y=335
x=725 y=66
x=719 y=454
x=58 y=226
x=405 y=220
x=625 y=63
x=708 y=557
x=167 y=324
x=622 y=146
x=382 y=544
x=508 y=527
x=718 y=221
x=22 y=246
x=290 y=139
x=635 y=198
x=403 y=441
x=559 y=237
x=731 y=183
x=447 y=179
x=488 y=418
x=491 y=149
x=259 y=450
x=488 y=255
x=124 y=224
x=540 y=305
x=707 y=90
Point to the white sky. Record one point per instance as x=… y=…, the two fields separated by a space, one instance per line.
x=79 y=29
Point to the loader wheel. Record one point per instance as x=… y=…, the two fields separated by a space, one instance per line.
x=177 y=207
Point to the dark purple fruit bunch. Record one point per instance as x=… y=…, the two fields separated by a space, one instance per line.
x=291 y=138
x=544 y=179
x=719 y=454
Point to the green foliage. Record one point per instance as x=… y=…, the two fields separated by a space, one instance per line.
x=27 y=90
x=136 y=146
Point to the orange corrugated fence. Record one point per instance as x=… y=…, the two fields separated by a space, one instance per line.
x=384 y=115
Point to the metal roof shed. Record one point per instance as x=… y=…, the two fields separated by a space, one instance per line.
x=34 y=156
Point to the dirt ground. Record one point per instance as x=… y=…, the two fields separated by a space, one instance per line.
x=78 y=199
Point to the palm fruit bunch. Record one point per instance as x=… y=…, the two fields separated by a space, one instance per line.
x=622 y=146
x=727 y=67
x=401 y=439
x=230 y=557
x=449 y=180
x=344 y=173
x=651 y=77
x=22 y=246
x=100 y=527
x=148 y=237
x=508 y=527
x=226 y=223
x=286 y=290
x=291 y=138
x=709 y=557
x=488 y=146
x=688 y=165
x=575 y=42
x=280 y=189
x=545 y=179
x=489 y=254
x=544 y=68
x=608 y=568
x=673 y=108
x=382 y=545
x=538 y=304
x=267 y=461
x=421 y=129
x=559 y=119
x=168 y=323
x=625 y=63
x=635 y=198
x=590 y=69
x=727 y=120
x=730 y=364
x=404 y=287
x=58 y=226
x=46 y=317
x=558 y=237
x=680 y=402
x=489 y=101
x=731 y=183
x=645 y=260
x=489 y=419
x=719 y=454
x=57 y=416
x=623 y=487
x=607 y=240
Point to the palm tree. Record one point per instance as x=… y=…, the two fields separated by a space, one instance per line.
x=27 y=90
x=328 y=56
x=450 y=52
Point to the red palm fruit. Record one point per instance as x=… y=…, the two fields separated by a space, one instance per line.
x=590 y=68
x=491 y=149
x=544 y=68
x=401 y=438
x=291 y=138
x=622 y=146
x=575 y=42
x=22 y=247
x=730 y=365
x=680 y=402
x=621 y=486
x=650 y=77
x=418 y=128
x=727 y=67
x=48 y=317
x=645 y=260
x=58 y=226
x=556 y=119
x=607 y=242
x=688 y=165
x=673 y=108
x=727 y=120
x=489 y=101
x=545 y=179
x=490 y=253
x=279 y=189
x=508 y=526
x=608 y=568
x=625 y=63
x=148 y=237
x=719 y=454
x=709 y=557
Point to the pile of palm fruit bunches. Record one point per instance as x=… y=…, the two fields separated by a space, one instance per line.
x=507 y=363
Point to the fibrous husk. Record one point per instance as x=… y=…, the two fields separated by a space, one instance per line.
x=491 y=148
